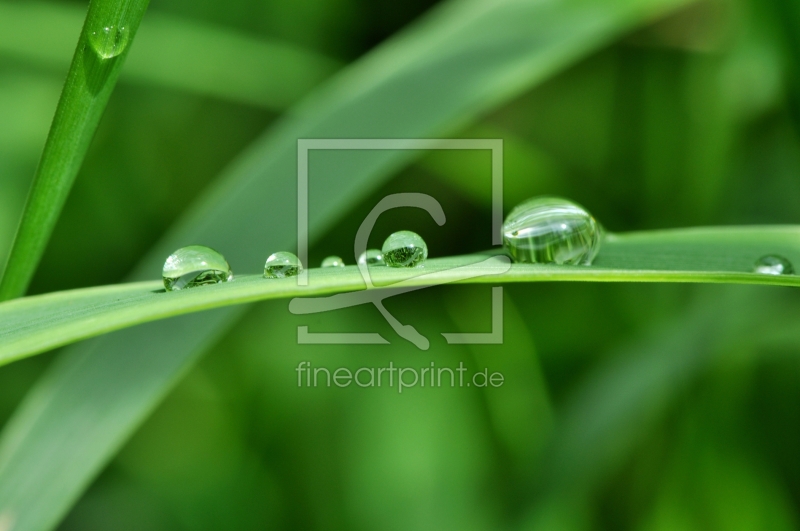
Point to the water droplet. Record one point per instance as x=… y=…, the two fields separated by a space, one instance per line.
x=333 y=261
x=547 y=230
x=193 y=266
x=772 y=264
x=282 y=265
x=371 y=257
x=404 y=249
x=109 y=40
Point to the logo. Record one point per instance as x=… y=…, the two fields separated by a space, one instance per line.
x=484 y=266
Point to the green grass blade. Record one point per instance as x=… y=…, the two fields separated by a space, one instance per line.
x=103 y=45
x=725 y=256
x=431 y=79
x=201 y=58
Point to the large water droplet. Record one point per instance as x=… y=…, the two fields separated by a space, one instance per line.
x=773 y=264
x=109 y=40
x=551 y=230
x=371 y=257
x=281 y=265
x=193 y=266
x=333 y=261
x=404 y=249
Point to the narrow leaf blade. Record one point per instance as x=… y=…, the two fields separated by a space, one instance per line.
x=717 y=255
x=103 y=45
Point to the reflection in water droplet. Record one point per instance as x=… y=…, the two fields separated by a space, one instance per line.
x=109 y=40
x=282 y=265
x=551 y=230
x=404 y=249
x=193 y=266
x=333 y=261
x=772 y=264
x=371 y=257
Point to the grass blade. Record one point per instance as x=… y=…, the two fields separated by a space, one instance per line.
x=723 y=256
x=435 y=77
x=103 y=45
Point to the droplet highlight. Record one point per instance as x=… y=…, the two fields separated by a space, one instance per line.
x=109 y=40
x=282 y=265
x=371 y=257
x=773 y=264
x=404 y=249
x=551 y=230
x=333 y=261
x=193 y=266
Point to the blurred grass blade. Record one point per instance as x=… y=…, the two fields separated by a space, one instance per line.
x=622 y=399
x=452 y=66
x=175 y=53
x=102 y=47
x=624 y=402
x=37 y=324
x=787 y=14
x=527 y=169
x=232 y=66
x=620 y=404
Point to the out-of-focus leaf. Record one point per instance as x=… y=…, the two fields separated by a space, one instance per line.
x=734 y=489
x=617 y=405
x=787 y=15
x=527 y=170
x=461 y=60
x=521 y=415
x=175 y=53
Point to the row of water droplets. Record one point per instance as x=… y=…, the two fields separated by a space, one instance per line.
x=541 y=230
x=197 y=265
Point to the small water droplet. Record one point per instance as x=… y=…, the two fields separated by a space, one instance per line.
x=773 y=264
x=109 y=40
x=551 y=230
x=371 y=257
x=282 y=265
x=193 y=266
x=404 y=249
x=333 y=261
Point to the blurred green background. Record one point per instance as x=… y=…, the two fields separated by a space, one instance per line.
x=642 y=407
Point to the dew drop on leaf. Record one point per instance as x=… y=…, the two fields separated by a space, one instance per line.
x=333 y=261
x=371 y=257
x=551 y=230
x=282 y=265
x=193 y=266
x=109 y=40
x=773 y=264
x=404 y=249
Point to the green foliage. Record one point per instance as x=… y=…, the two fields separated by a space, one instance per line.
x=38 y=324
x=626 y=404
x=234 y=66
x=90 y=81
